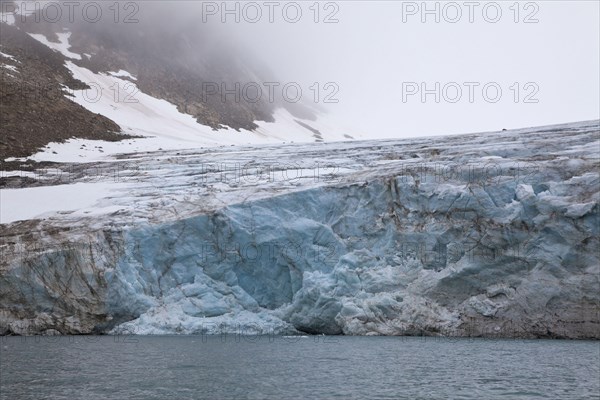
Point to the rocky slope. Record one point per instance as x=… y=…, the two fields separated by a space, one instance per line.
x=34 y=108
x=186 y=64
x=473 y=235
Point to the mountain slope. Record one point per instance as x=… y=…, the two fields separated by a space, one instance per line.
x=34 y=108
x=113 y=82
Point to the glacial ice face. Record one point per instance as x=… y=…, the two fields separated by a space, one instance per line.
x=468 y=235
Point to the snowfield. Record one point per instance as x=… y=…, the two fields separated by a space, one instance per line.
x=160 y=124
x=35 y=202
x=470 y=235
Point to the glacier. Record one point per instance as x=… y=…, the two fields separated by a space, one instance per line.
x=491 y=234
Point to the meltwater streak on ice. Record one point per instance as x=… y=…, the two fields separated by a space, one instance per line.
x=274 y=367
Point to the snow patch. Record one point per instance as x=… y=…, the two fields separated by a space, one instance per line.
x=120 y=73
x=10 y=67
x=49 y=200
x=62 y=47
x=12 y=58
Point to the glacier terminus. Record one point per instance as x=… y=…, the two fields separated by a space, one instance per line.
x=470 y=235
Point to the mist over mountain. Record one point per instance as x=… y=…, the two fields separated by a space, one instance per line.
x=173 y=54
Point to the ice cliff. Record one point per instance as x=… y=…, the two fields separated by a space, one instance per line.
x=471 y=235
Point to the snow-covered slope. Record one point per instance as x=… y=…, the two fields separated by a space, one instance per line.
x=485 y=234
x=159 y=124
x=71 y=88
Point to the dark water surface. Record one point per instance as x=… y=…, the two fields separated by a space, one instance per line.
x=233 y=367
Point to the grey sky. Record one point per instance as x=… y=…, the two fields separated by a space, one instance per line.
x=381 y=53
x=371 y=52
